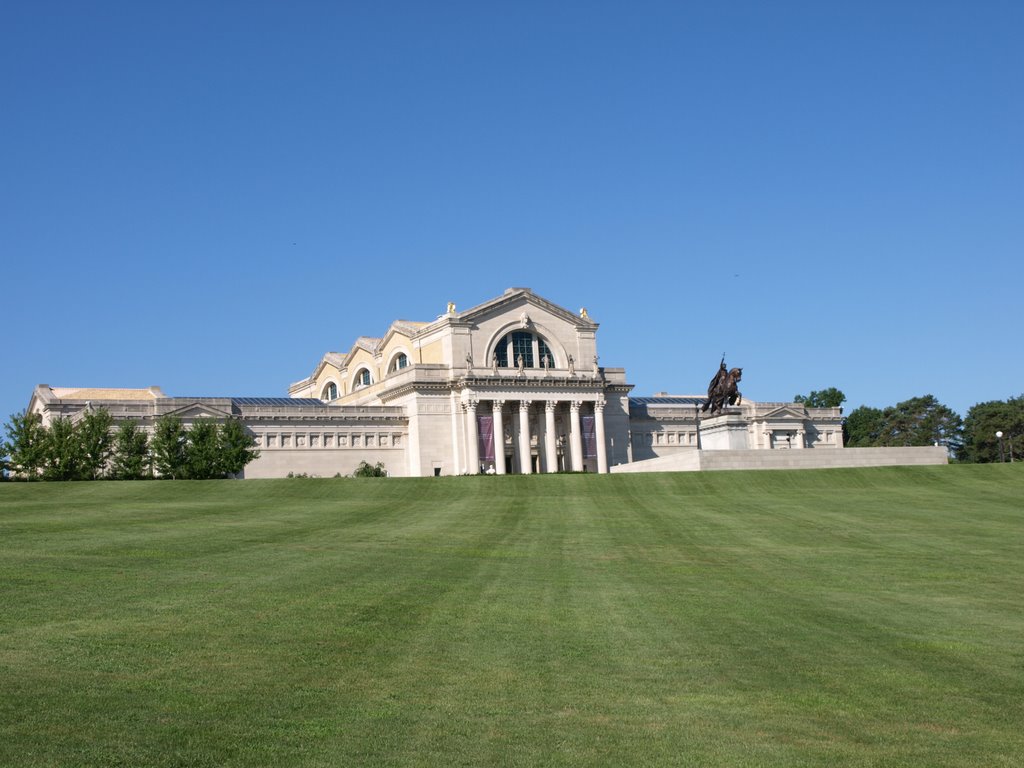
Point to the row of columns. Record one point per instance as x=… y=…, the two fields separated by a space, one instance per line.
x=550 y=453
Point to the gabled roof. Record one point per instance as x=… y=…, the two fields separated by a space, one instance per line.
x=365 y=343
x=517 y=296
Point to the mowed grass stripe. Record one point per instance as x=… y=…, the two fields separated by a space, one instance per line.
x=855 y=617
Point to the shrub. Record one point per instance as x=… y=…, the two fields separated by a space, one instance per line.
x=365 y=469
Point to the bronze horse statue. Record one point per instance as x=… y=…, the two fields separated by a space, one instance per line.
x=722 y=390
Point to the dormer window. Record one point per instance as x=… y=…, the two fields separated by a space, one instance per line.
x=330 y=392
x=363 y=378
x=402 y=361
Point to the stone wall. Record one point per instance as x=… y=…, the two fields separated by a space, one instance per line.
x=694 y=461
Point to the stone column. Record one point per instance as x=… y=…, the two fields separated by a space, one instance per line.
x=524 y=437
x=499 y=438
x=550 y=444
x=472 y=438
x=800 y=439
x=602 y=451
x=577 y=436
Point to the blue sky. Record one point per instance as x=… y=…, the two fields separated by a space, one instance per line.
x=208 y=196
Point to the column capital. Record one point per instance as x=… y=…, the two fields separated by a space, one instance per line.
x=469 y=404
x=576 y=404
x=599 y=404
x=550 y=405
x=497 y=405
x=524 y=405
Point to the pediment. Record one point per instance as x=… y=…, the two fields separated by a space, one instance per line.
x=785 y=412
x=517 y=300
x=199 y=411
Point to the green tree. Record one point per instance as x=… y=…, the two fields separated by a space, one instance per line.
x=95 y=442
x=237 y=447
x=169 y=447
x=203 y=451
x=130 y=460
x=921 y=421
x=862 y=427
x=62 y=459
x=826 y=398
x=982 y=422
x=26 y=444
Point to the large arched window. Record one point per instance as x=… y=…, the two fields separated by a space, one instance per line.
x=530 y=346
x=330 y=392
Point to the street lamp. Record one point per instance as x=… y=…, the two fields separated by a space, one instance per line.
x=1002 y=457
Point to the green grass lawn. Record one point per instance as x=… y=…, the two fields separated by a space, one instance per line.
x=835 y=617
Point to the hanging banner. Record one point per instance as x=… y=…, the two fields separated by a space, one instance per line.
x=589 y=440
x=485 y=438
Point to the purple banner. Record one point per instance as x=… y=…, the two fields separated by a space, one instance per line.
x=485 y=438
x=589 y=440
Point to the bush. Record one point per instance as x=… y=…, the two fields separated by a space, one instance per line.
x=366 y=469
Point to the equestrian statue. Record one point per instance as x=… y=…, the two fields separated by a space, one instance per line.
x=722 y=390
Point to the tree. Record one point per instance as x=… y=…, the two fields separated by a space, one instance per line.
x=982 y=422
x=95 y=442
x=921 y=421
x=130 y=460
x=862 y=427
x=237 y=447
x=26 y=444
x=169 y=449
x=826 y=398
x=203 y=451
x=62 y=459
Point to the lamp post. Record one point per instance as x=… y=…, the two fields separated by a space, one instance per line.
x=1002 y=456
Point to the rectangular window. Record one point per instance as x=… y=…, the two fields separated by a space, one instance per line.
x=544 y=352
x=328 y=441
x=314 y=441
x=286 y=441
x=522 y=344
x=271 y=441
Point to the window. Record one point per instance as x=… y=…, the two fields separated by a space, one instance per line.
x=544 y=352
x=522 y=346
x=532 y=348
x=330 y=392
x=363 y=378
x=402 y=361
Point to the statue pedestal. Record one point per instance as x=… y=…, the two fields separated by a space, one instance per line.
x=727 y=432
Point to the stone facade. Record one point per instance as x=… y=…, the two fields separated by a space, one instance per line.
x=512 y=385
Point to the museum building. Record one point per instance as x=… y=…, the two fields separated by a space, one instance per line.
x=512 y=385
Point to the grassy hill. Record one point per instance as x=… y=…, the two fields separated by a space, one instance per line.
x=835 y=617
